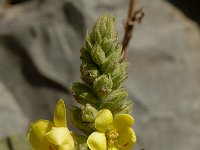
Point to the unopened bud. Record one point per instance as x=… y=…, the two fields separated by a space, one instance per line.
x=103 y=85
x=83 y=93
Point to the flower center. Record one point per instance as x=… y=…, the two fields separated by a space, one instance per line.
x=51 y=148
x=111 y=137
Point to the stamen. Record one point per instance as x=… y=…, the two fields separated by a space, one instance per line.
x=111 y=136
x=125 y=144
x=51 y=148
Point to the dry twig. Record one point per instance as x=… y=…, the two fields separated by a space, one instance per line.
x=133 y=17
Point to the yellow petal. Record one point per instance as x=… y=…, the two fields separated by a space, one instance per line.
x=60 y=136
x=60 y=114
x=65 y=147
x=104 y=120
x=113 y=148
x=123 y=120
x=97 y=141
x=126 y=138
x=37 y=133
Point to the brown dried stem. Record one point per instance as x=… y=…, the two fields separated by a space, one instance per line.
x=133 y=16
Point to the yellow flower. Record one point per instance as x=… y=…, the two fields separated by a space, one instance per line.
x=112 y=134
x=47 y=135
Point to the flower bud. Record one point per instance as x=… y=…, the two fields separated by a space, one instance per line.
x=96 y=37
x=85 y=55
x=111 y=61
x=89 y=113
x=103 y=85
x=79 y=123
x=83 y=93
x=89 y=72
x=108 y=45
x=119 y=74
x=98 y=55
x=115 y=99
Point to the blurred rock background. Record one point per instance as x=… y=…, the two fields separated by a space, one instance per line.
x=39 y=59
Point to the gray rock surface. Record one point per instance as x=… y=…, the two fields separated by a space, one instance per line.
x=11 y=113
x=39 y=58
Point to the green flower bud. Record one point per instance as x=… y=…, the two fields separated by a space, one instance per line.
x=88 y=44
x=103 y=85
x=115 y=100
x=119 y=75
x=111 y=61
x=96 y=37
x=85 y=55
x=89 y=113
x=98 y=55
x=107 y=26
x=79 y=123
x=89 y=72
x=125 y=108
x=111 y=34
x=83 y=94
x=108 y=45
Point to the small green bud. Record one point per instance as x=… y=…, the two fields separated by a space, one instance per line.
x=89 y=72
x=108 y=45
x=111 y=61
x=89 y=113
x=95 y=37
x=77 y=121
x=85 y=55
x=103 y=29
x=97 y=25
x=117 y=51
x=119 y=74
x=88 y=44
x=115 y=99
x=109 y=23
x=103 y=85
x=83 y=93
x=126 y=107
x=98 y=55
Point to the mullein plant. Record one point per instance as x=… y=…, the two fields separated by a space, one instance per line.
x=104 y=112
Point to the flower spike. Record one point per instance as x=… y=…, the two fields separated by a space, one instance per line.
x=103 y=72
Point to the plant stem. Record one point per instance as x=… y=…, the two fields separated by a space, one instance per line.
x=133 y=16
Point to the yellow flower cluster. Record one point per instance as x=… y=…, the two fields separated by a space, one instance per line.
x=112 y=133
x=47 y=135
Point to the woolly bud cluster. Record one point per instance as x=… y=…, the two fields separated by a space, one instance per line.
x=103 y=71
